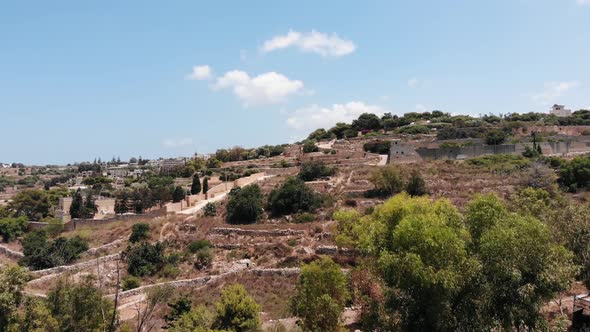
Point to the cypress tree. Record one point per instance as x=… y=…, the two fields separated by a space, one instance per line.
x=89 y=207
x=205 y=185
x=76 y=207
x=196 y=186
x=178 y=194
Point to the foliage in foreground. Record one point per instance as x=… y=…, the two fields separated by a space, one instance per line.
x=321 y=294
x=441 y=270
x=235 y=311
x=68 y=307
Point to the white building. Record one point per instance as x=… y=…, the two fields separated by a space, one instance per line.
x=560 y=111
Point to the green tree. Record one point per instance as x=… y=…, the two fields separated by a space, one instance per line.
x=144 y=259
x=177 y=308
x=36 y=317
x=524 y=270
x=139 y=232
x=416 y=185
x=367 y=121
x=495 y=137
x=236 y=310
x=31 y=203
x=320 y=295
x=313 y=170
x=293 y=196
x=245 y=205
x=575 y=174
x=11 y=228
x=205 y=185
x=198 y=319
x=196 y=185
x=12 y=282
x=77 y=205
x=387 y=180
x=90 y=207
x=178 y=195
x=79 y=306
x=121 y=202
x=310 y=146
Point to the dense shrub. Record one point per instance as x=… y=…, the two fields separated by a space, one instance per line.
x=197 y=245
x=139 y=232
x=310 y=146
x=130 y=282
x=144 y=259
x=388 y=180
x=210 y=209
x=313 y=170
x=416 y=185
x=500 y=162
x=236 y=310
x=321 y=294
x=244 y=205
x=204 y=257
x=414 y=130
x=495 y=137
x=575 y=174
x=42 y=254
x=293 y=196
x=11 y=228
x=380 y=147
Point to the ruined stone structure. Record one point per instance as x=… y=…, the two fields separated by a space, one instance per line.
x=401 y=152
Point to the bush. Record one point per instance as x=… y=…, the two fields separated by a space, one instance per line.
x=42 y=254
x=130 y=282
x=204 y=258
x=139 y=232
x=305 y=218
x=388 y=180
x=313 y=170
x=414 y=130
x=11 y=228
x=575 y=174
x=380 y=147
x=293 y=196
x=320 y=295
x=144 y=259
x=236 y=310
x=309 y=146
x=197 y=245
x=495 y=137
x=416 y=185
x=244 y=205
x=178 y=194
x=210 y=210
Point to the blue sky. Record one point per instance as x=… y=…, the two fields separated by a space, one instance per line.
x=86 y=79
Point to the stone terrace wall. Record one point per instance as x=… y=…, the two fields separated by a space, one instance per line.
x=11 y=253
x=252 y=232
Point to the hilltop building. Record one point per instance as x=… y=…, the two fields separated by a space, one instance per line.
x=560 y=111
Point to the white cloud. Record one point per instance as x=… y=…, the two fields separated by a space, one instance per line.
x=413 y=82
x=421 y=108
x=314 y=116
x=177 y=142
x=583 y=2
x=267 y=88
x=312 y=42
x=552 y=91
x=200 y=73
